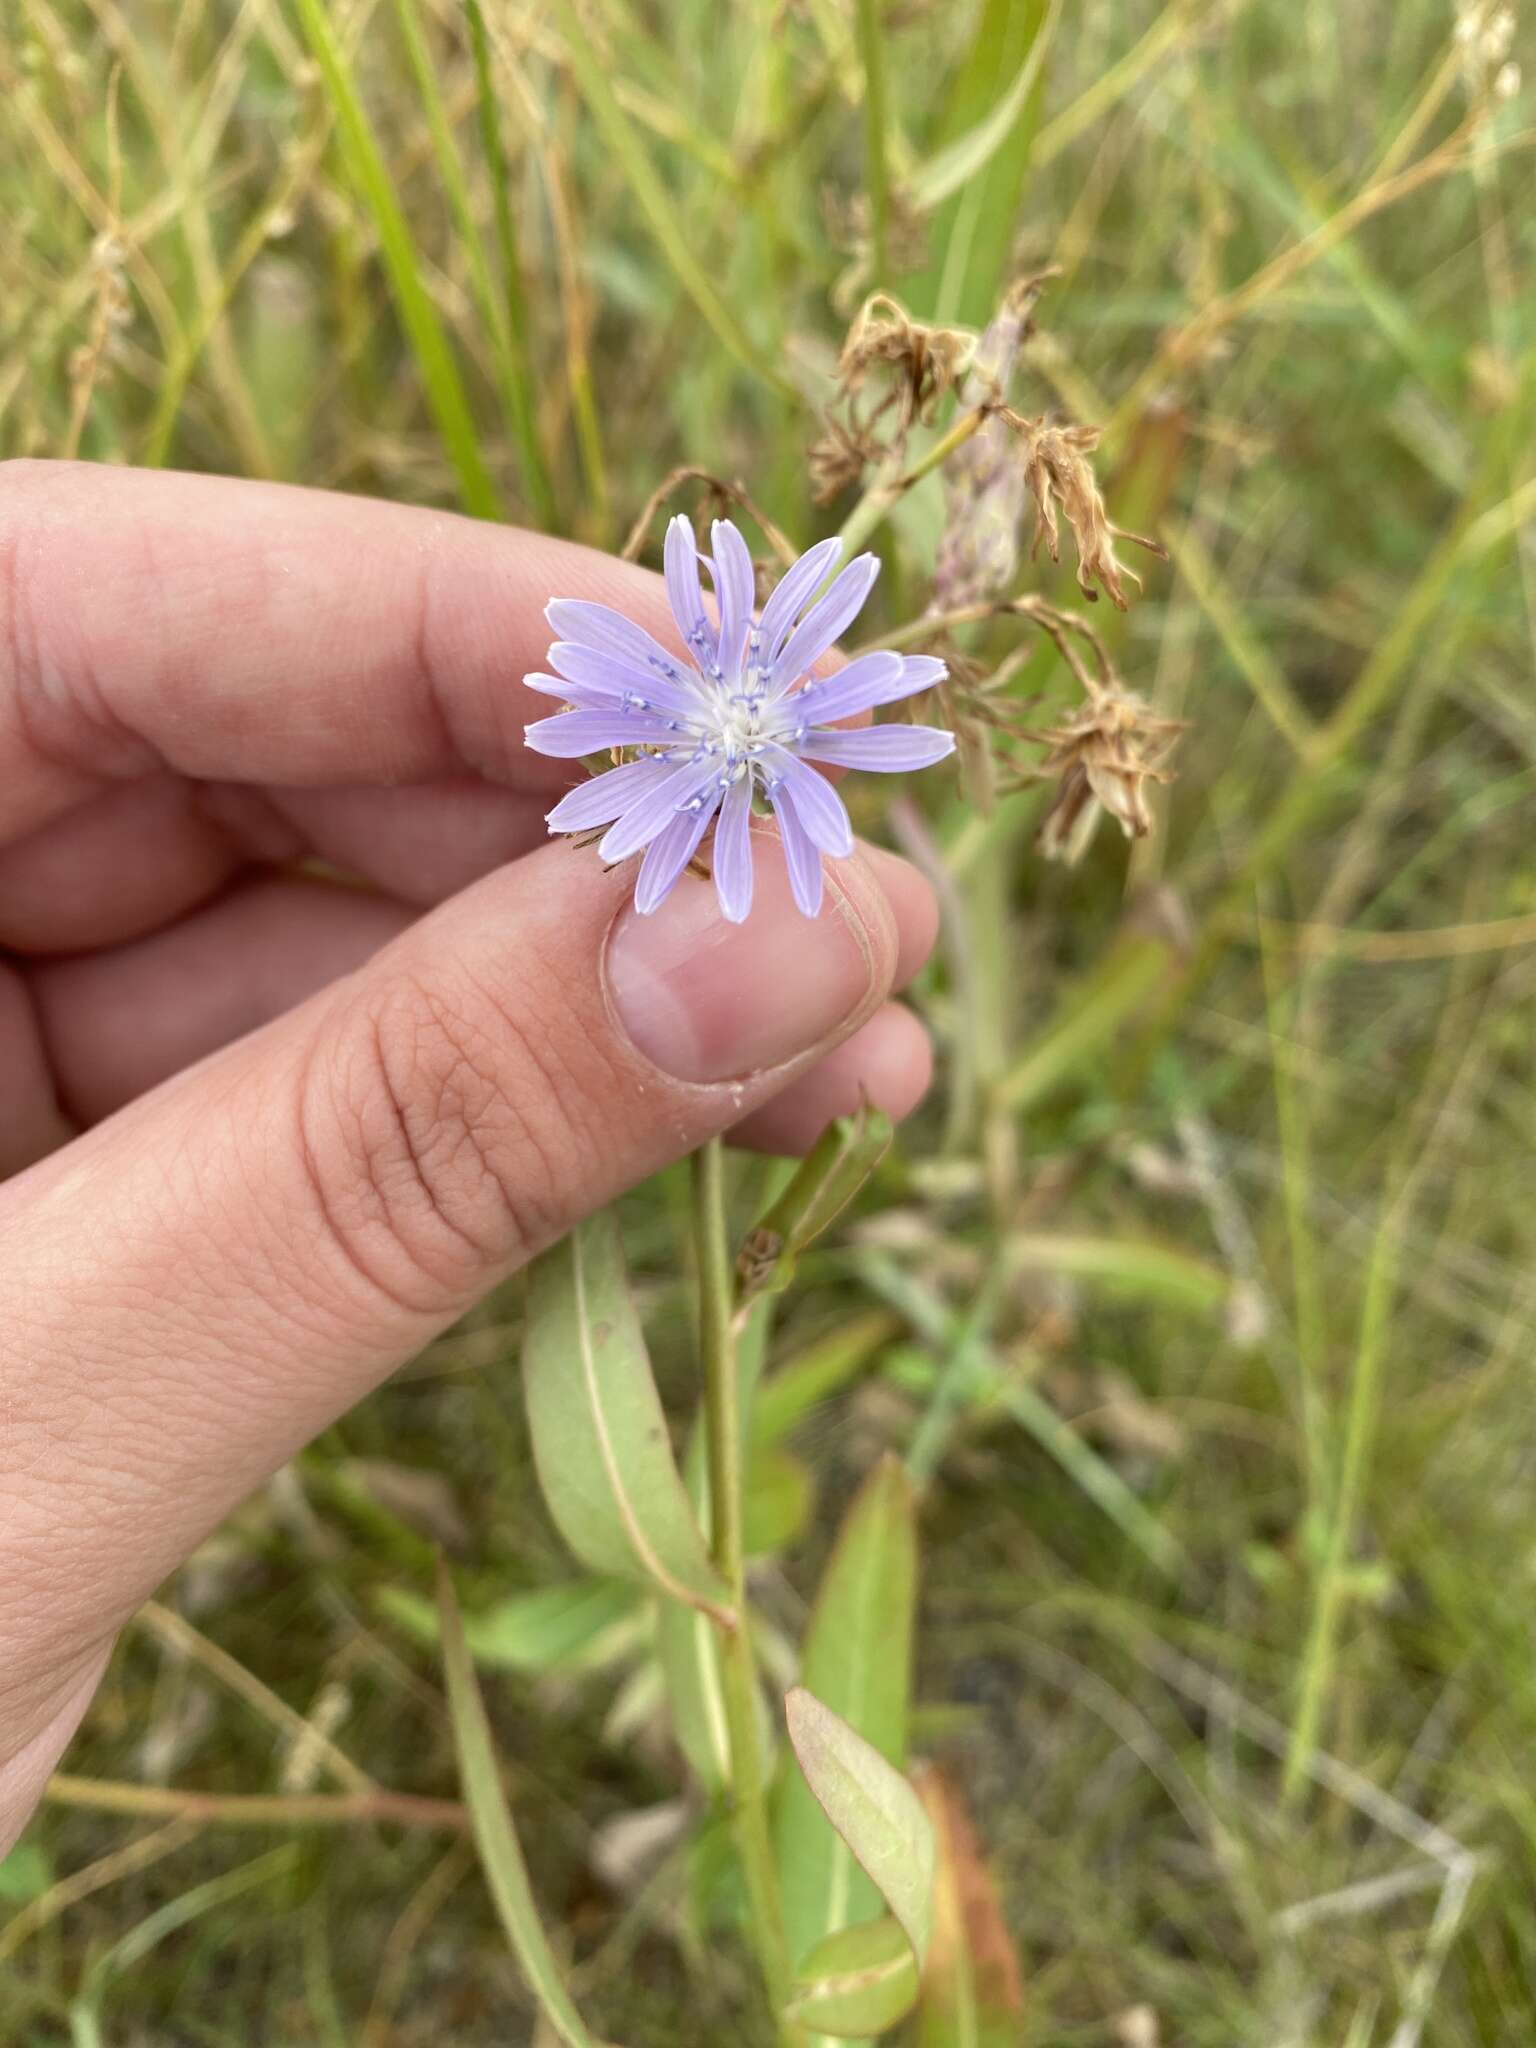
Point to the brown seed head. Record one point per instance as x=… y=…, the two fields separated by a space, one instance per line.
x=1103 y=758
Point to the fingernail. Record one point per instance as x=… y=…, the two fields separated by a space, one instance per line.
x=705 y=1000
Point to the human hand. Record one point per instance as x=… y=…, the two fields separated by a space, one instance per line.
x=269 y=1133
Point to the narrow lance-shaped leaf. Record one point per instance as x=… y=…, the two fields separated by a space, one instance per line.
x=873 y=1808
x=579 y=1626
x=833 y=1171
x=495 y=1838
x=599 y=1434
x=856 y=1659
x=857 y=1983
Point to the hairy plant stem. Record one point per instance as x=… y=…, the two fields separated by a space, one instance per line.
x=723 y=1439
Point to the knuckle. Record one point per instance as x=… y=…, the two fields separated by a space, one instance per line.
x=438 y=1140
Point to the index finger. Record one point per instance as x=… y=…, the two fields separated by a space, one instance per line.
x=257 y=632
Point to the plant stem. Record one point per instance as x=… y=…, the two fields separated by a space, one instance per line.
x=723 y=1437
x=876 y=173
x=893 y=481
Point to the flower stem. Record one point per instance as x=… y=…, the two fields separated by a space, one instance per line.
x=894 y=481
x=723 y=1437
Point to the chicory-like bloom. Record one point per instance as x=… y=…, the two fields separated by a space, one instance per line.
x=744 y=715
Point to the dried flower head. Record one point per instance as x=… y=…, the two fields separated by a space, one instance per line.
x=925 y=361
x=1058 y=472
x=744 y=714
x=1102 y=759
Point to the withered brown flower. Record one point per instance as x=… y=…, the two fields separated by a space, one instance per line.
x=1058 y=472
x=1103 y=758
x=926 y=361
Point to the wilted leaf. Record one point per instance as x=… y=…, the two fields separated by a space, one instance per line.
x=500 y=1856
x=873 y=1808
x=857 y=1661
x=972 y=1993
x=828 y=1178
x=599 y=1435
x=530 y=1632
x=857 y=1983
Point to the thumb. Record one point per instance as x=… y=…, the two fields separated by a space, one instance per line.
x=209 y=1278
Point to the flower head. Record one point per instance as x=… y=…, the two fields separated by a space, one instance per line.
x=742 y=715
x=1102 y=760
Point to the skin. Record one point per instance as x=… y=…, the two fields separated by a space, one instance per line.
x=267 y=1132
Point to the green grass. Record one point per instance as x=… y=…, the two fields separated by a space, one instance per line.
x=1225 y=1621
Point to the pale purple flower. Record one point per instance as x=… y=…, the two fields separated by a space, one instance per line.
x=744 y=715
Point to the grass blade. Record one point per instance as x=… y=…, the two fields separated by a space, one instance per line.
x=514 y=324
x=660 y=212
x=495 y=1838
x=429 y=343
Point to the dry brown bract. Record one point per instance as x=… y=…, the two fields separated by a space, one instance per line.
x=1102 y=759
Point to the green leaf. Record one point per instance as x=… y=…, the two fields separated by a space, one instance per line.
x=857 y=1983
x=778 y=1502
x=368 y=172
x=873 y=1808
x=25 y=1874
x=1129 y=1266
x=599 y=1435
x=689 y=1648
x=818 y=1372
x=833 y=1171
x=552 y=1626
x=965 y=158
x=857 y=1661
x=506 y=1874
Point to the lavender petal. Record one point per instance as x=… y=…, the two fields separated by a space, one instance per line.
x=871 y=679
x=733 y=852
x=666 y=857
x=605 y=797
x=619 y=678
x=825 y=620
x=794 y=590
x=570 y=734
x=636 y=827
x=735 y=587
x=817 y=804
x=599 y=625
x=685 y=593
x=801 y=855
x=892 y=749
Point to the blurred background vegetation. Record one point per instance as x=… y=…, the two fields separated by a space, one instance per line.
x=1199 y=1298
